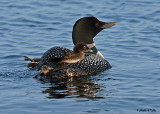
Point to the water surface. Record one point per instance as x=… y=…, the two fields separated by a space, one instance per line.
x=132 y=48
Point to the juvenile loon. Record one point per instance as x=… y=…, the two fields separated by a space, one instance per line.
x=76 y=55
x=84 y=30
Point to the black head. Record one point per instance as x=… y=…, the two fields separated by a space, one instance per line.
x=85 y=29
x=80 y=47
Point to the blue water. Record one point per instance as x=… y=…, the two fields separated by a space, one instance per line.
x=30 y=27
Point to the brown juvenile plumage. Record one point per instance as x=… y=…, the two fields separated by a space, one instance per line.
x=76 y=55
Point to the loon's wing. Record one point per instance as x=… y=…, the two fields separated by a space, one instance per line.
x=54 y=54
x=92 y=64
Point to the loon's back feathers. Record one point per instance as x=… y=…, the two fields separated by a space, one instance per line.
x=54 y=54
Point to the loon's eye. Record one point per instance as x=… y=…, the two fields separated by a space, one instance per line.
x=97 y=24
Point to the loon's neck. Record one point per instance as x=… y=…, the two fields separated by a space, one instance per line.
x=94 y=49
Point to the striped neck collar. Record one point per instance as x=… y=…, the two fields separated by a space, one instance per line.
x=94 y=49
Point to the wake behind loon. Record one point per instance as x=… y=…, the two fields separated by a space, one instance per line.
x=84 y=30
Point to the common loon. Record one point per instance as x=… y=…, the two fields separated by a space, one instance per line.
x=84 y=30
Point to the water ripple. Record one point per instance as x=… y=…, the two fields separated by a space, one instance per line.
x=132 y=48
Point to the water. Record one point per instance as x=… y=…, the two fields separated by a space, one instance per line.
x=132 y=48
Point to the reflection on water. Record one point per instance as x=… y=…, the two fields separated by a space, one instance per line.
x=74 y=87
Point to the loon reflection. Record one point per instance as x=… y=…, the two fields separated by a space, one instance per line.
x=74 y=87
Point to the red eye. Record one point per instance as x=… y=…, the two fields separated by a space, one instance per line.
x=97 y=24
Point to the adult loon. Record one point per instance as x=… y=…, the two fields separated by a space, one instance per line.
x=84 y=30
